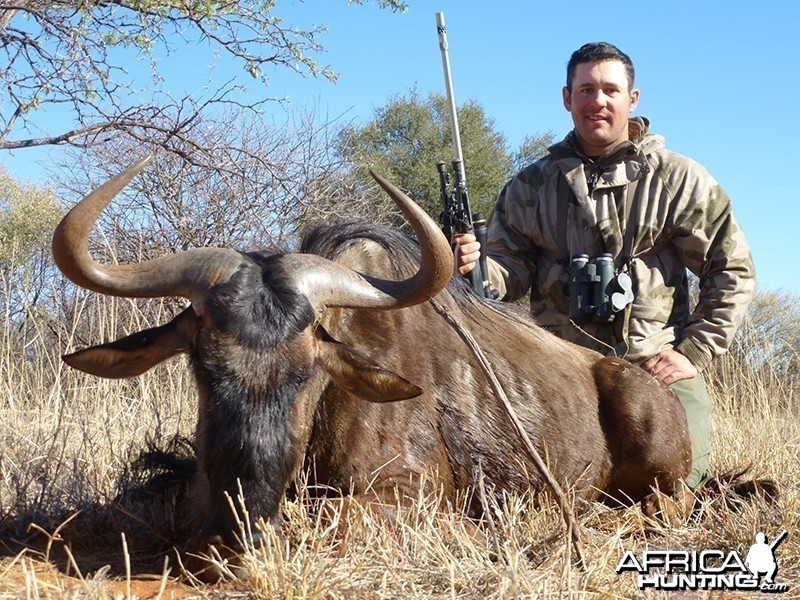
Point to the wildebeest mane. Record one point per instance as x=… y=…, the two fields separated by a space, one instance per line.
x=331 y=241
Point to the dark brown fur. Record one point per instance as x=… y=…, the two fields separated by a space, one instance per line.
x=604 y=424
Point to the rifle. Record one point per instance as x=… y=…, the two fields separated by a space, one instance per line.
x=456 y=216
x=778 y=539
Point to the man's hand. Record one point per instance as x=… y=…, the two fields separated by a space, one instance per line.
x=670 y=366
x=468 y=253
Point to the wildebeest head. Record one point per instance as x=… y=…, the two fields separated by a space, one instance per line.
x=252 y=333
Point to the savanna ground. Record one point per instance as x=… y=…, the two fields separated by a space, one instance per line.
x=76 y=523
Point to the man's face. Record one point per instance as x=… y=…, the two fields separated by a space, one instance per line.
x=600 y=103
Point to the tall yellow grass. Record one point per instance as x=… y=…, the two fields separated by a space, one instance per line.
x=67 y=440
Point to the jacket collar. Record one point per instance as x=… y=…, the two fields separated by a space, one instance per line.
x=640 y=141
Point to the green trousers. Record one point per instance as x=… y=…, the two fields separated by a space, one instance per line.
x=693 y=394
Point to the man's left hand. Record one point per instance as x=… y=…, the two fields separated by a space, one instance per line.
x=669 y=366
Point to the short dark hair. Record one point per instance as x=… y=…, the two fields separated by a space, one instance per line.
x=595 y=52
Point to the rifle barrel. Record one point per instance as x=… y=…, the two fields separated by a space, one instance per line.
x=441 y=29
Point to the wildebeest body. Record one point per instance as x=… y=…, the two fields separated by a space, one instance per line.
x=457 y=425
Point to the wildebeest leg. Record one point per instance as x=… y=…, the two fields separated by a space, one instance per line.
x=212 y=556
x=387 y=502
x=353 y=519
x=646 y=432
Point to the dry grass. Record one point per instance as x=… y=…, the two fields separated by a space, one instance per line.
x=71 y=525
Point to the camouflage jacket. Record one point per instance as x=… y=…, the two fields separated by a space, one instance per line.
x=658 y=213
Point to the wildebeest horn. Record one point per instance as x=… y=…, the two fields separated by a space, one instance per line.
x=192 y=273
x=189 y=274
x=327 y=284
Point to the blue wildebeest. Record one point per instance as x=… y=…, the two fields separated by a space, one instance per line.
x=302 y=357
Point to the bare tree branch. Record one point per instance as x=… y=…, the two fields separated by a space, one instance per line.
x=65 y=54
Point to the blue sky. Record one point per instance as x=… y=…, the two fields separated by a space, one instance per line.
x=717 y=79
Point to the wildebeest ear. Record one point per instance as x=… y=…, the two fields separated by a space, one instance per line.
x=136 y=353
x=360 y=375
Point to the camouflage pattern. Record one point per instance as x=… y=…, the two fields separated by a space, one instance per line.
x=658 y=213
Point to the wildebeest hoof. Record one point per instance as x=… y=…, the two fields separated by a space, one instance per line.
x=668 y=509
x=214 y=561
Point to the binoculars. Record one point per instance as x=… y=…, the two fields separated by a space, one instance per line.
x=597 y=292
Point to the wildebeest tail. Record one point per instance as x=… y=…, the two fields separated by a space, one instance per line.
x=735 y=486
